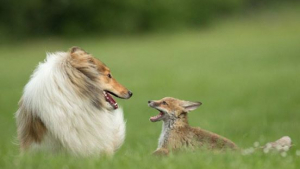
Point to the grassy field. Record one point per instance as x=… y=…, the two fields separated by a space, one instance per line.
x=245 y=70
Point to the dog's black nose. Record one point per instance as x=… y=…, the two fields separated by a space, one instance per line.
x=149 y=101
x=130 y=93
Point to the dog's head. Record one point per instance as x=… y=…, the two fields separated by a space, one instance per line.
x=94 y=78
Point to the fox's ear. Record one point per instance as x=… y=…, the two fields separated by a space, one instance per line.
x=190 y=106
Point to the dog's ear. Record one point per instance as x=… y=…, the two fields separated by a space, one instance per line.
x=83 y=62
x=76 y=49
x=190 y=106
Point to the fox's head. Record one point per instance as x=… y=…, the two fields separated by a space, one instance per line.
x=171 y=109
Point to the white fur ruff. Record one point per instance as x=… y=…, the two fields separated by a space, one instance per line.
x=73 y=124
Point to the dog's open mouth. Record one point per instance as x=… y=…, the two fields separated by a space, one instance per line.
x=110 y=99
x=157 y=117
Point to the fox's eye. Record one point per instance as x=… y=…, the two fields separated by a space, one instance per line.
x=109 y=75
x=164 y=103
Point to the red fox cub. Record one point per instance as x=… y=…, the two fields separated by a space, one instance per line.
x=176 y=132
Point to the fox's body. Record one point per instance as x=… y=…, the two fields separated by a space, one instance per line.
x=193 y=137
x=176 y=132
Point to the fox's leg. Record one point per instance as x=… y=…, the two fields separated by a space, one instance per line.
x=161 y=151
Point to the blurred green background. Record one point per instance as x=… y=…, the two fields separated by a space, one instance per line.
x=66 y=17
x=240 y=58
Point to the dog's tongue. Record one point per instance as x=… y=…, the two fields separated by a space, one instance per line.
x=110 y=100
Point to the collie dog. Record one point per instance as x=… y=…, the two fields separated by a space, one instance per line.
x=67 y=106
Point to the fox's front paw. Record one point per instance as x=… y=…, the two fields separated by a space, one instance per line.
x=161 y=152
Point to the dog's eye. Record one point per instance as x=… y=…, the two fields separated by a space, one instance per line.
x=164 y=103
x=109 y=75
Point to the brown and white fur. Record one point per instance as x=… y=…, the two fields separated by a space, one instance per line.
x=66 y=106
x=176 y=132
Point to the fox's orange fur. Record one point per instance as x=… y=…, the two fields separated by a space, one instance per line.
x=177 y=133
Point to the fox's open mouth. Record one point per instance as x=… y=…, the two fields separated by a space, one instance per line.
x=110 y=99
x=157 y=117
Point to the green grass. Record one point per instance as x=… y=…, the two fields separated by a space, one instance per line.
x=245 y=70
